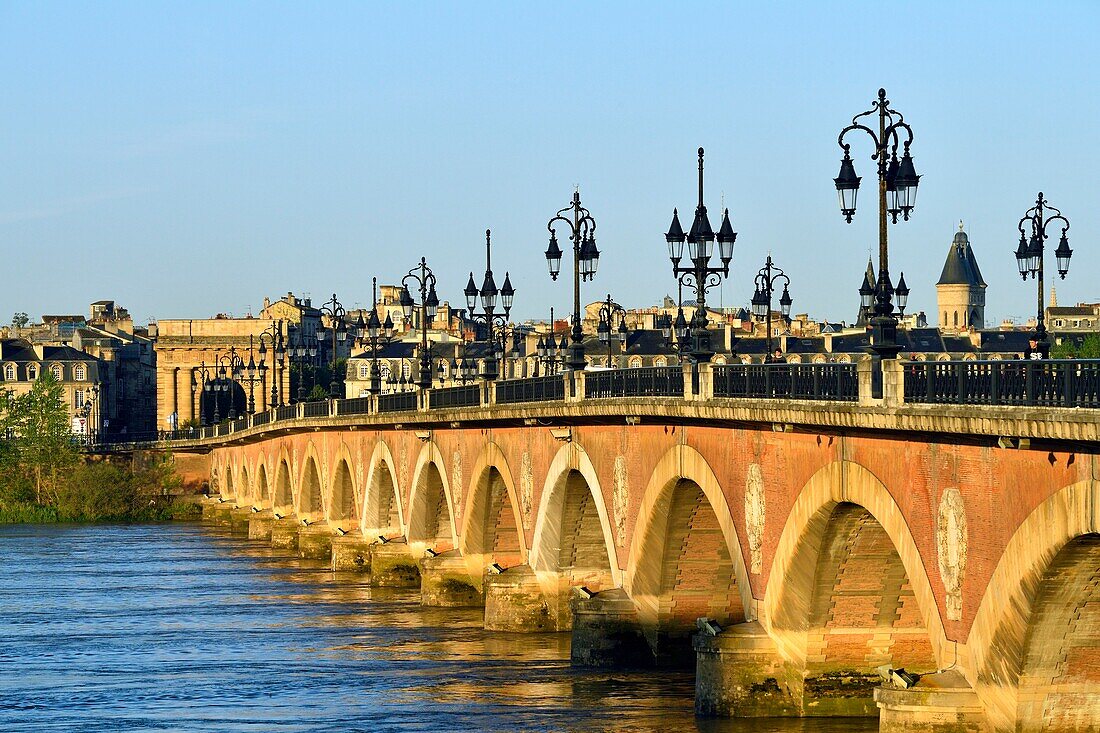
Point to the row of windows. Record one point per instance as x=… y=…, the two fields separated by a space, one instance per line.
x=1075 y=323
x=32 y=371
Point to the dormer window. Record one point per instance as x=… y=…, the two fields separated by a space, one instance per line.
x=32 y=372
x=9 y=372
x=80 y=373
x=57 y=372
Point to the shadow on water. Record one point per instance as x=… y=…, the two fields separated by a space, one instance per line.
x=187 y=628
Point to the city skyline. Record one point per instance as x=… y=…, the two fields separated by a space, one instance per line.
x=252 y=154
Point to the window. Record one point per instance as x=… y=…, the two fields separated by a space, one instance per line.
x=364 y=371
x=9 y=372
x=660 y=361
x=32 y=372
x=80 y=373
x=635 y=362
x=78 y=398
x=57 y=372
x=1059 y=323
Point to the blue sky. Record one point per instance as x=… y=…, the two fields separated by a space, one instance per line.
x=190 y=158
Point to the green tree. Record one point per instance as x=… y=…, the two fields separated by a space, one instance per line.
x=20 y=320
x=43 y=436
x=1089 y=348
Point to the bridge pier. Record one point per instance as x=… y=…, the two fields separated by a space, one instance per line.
x=739 y=673
x=446 y=581
x=351 y=552
x=607 y=632
x=393 y=566
x=942 y=702
x=284 y=533
x=315 y=542
x=239 y=518
x=518 y=599
x=259 y=525
x=216 y=511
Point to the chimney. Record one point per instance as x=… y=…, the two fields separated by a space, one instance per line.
x=267 y=302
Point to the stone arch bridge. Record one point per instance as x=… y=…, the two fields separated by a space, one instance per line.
x=791 y=550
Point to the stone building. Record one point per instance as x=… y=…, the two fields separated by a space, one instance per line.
x=960 y=291
x=188 y=352
x=85 y=389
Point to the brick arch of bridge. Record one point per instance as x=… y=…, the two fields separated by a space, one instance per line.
x=262 y=497
x=245 y=479
x=1052 y=556
x=492 y=525
x=685 y=557
x=282 y=496
x=382 y=513
x=310 y=501
x=571 y=494
x=844 y=502
x=343 y=500
x=431 y=522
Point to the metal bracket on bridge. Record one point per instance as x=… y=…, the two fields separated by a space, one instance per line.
x=423 y=435
x=1007 y=441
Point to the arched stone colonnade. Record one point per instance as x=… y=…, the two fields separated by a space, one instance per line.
x=815 y=573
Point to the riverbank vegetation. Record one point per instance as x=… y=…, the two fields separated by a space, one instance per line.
x=45 y=478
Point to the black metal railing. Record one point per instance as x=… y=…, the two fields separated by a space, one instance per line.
x=532 y=389
x=354 y=406
x=397 y=402
x=1046 y=383
x=315 y=409
x=261 y=418
x=833 y=382
x=286 y=412
x=465 y=395
x=638 y=382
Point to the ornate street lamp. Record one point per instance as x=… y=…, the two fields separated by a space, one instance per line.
x=424 y=278
x=302 y=351
x=699 y=274
x=606 y=329
x=1029 y=257
x=273 y=335
x=252 y=373
x=86 y=413
x=488 y=317
x=897 y=195
x=339 y=331
x=551 y=355
x=586 y=258
x=766 y=281
x=378 y=333
x=205 y=386
x=227 y=370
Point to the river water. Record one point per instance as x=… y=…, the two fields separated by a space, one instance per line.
x=182 y=627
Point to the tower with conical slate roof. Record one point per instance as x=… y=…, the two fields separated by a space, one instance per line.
x=865 y=313
x=960 y=291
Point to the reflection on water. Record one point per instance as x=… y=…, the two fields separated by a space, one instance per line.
x=185 y=628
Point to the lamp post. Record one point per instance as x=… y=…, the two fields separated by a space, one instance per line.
x=550 y=353
x=1029 y=257
x=766 y=281
x=228 y=369
x=606 y=329
x=377 y=332
x=302 y=351
x=339 y=332
x=205 y=387
x=700 y=274
x=586 y=258
x=252 y=373
x=897 y=195
x=488 y=317
x=424 y=278
x=273 y=335
x=86 y=413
